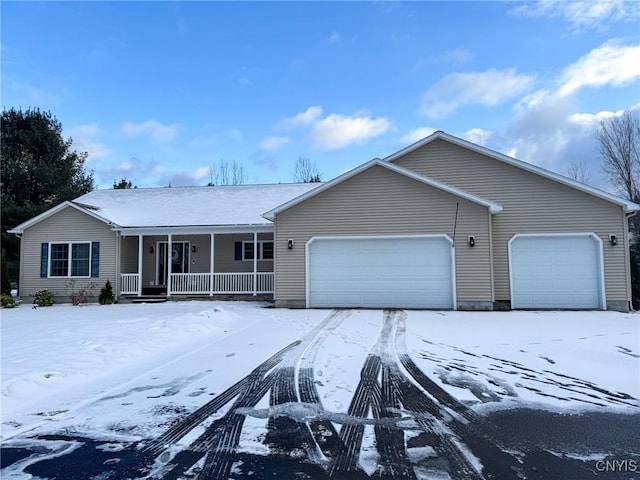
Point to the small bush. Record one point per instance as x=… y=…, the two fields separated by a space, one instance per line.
x=78 y=297
x=43 y=298
x=106 y=294
x=7 y=301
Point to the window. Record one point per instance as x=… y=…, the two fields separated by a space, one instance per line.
x=59 y=260
x=70 y=260
x=265 y=250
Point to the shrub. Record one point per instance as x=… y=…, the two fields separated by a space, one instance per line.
x=80 y=296
x=106 y=294
x=7 y=301
x=43 y=298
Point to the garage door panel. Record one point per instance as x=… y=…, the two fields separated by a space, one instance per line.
x=563 y=271
x=381 y=272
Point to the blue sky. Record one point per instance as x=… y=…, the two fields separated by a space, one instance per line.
x=159 y=92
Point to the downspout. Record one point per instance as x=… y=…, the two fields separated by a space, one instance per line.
x=627 y=217
x=20 y=269
x=493 y=292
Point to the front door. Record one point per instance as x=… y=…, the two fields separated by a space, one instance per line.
x=179 y=260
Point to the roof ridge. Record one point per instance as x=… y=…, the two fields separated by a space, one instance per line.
x=197 y=187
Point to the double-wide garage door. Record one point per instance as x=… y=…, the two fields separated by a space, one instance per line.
x=379 y=272
x=556 y=271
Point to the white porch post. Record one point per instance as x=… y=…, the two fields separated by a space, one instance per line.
x=212 y=264
x=168 y=260
x=255 y=263
x=139 y=265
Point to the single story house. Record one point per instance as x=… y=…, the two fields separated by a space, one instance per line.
x=442 y=224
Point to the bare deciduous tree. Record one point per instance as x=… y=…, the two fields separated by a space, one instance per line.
x=306 y=171
x=619 y=148
x=225 y=173
x=578 y=170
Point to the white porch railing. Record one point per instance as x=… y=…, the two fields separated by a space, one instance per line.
x=190 y=283
x=129 y=283
x=233 y=282
x=200 y=283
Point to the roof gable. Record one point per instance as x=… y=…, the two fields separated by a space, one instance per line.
x=440 y=135
x=52 y=211
x=492 y=206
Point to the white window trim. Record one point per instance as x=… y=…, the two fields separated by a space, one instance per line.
x=69 y=261
x=260 y=251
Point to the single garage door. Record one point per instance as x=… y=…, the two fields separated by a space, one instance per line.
x=556 y=271
x=380 y=272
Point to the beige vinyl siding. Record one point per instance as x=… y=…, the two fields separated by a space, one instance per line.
x=225 y=261
x=129 y=255
x=531 y=203
x=67 y=225
x=381 y=202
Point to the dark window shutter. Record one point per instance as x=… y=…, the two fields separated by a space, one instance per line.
x=95 y=259
x=44 y=260
x=238 y=246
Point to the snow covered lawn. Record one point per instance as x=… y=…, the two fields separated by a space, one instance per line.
x=61 y=360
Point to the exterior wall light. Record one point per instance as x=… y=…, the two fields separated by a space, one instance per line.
x=194 y=248
x=290 y=243
x=472 y=240
x=151 y=249
x=613 y=240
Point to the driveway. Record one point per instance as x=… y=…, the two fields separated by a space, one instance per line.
x=283 y=419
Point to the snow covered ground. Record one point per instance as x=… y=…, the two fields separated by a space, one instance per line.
x=129 y=371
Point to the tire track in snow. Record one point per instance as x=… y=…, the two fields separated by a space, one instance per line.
x=457 y=425
x=220 y=440
x=323 y=431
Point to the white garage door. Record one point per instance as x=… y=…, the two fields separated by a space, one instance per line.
x=556 y=271
x=378 y=272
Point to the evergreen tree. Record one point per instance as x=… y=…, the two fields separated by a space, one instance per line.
x=40 y=169
x=123 y=184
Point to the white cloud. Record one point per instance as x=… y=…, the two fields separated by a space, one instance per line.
x=273 y=143
x=201 y=173
x=337 y=131
x=152 y=128
x=593 y=119
x=150 y=173
x=83 y=137
x=307 y=117
x=548 y=132
x=335 y=37
x=586 y=15
x=416 y=134
x=243 y=80
x=477 y=136
x=610 y=64
x=488 y=88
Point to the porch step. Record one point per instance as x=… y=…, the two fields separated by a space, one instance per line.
x=148 y=299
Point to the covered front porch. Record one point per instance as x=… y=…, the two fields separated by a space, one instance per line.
x=188 y=262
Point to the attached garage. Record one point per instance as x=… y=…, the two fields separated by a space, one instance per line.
x=381 y=271
x=563 y=271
